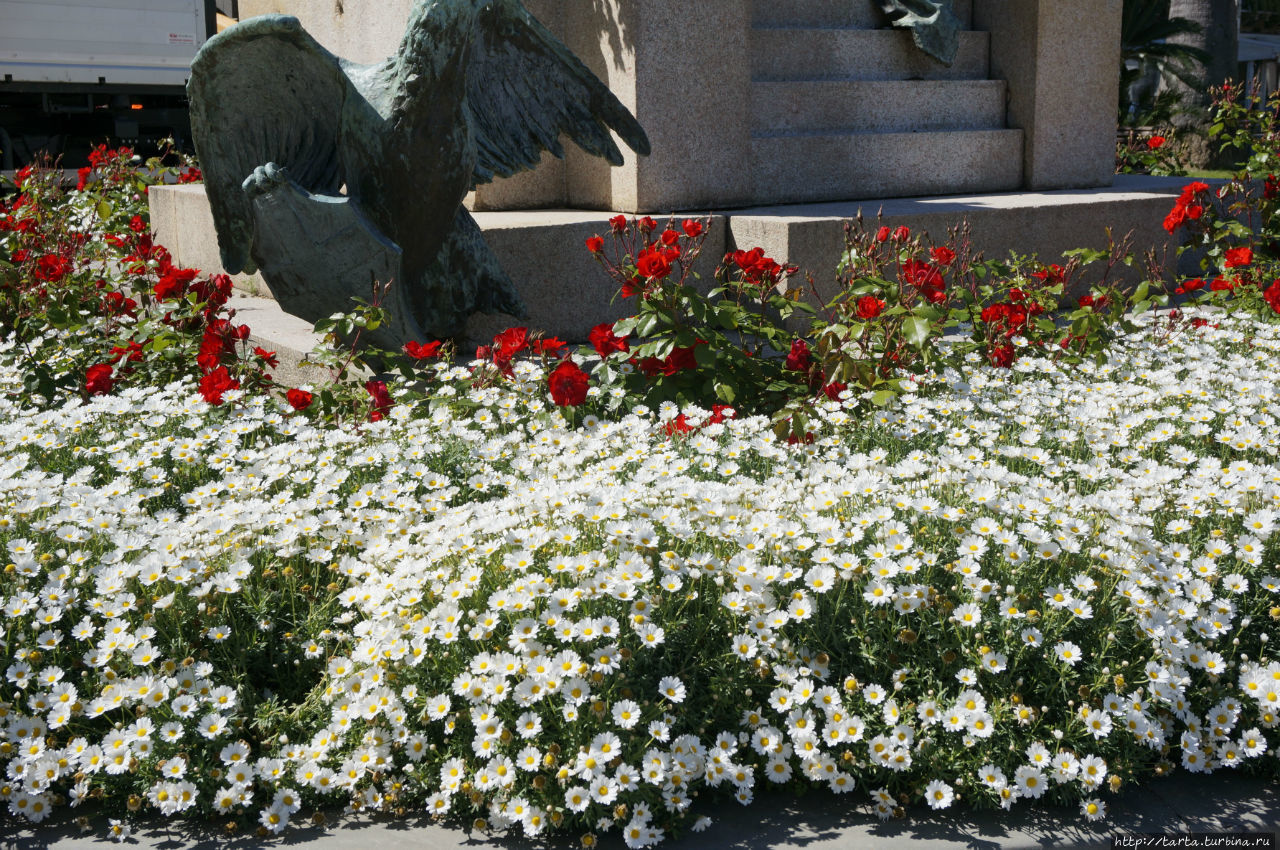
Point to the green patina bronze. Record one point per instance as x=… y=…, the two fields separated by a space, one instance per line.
x=329 y=176
x=934 y=27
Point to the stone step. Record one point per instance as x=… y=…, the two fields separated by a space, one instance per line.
x=800 y=53
x=864 y=14
x=876 y=106
x=834 y=166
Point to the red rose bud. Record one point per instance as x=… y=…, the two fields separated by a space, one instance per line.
x=882 y=234
x=901 y=233
x=798 y=356
x=618 y=223
x=382 y=402
x=299 y=399
x=692 y=229
x=595 y=244
x=567 y=384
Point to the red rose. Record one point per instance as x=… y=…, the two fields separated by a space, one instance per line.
x=1050 y=274
x=173 y=283
x=595 y=244
x=605 y=341
x=1236 y=257
x=692 y=229
x=1271 y=188
x=510 y=342
x=382 y=402
x=901 y=233
x=551 y=346
x=98 y=380
x=568 y=384
x=679 y=425
x=1175 y=219
x=869 y=307
x=942 y=255
x=1192 y=285
x=1155 y=143
x=756 y=267
x=721 y=412
x=618 y=223
x=926 y=278
x=647 y=225
x=267 y=357
x=217 y=382
x=1221 y=285
x=299 y=399
x=834 y=389
x=1272 y=295
x=51 y=268
x=882 y=234
x=798 y=356
x=1002 y=356
x=669 y=237
x=418 y=351
x=653 y=263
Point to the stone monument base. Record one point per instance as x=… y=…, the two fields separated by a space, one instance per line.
x=567 y=293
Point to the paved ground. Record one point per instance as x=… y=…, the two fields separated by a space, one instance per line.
x=1185 y=804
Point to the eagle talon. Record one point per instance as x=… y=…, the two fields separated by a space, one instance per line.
x=265 y=179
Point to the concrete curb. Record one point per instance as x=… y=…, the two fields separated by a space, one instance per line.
x=1183 y=804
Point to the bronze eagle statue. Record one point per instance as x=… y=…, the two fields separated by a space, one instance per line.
x=330 y=176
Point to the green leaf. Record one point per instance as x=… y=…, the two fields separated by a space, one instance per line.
x=881 y=398
x=647 y=324
x=1140 y=293
x=104 y=210
x=704 y=356
x=916 y=330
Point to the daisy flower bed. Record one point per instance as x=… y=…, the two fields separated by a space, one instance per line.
x=1043 y=582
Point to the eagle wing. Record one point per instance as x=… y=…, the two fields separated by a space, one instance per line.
x=525 y=88
x=264 y=91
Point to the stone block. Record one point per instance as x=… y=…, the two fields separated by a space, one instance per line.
x=1062 y=62
x=183 y=223
x=830 y=166
x=564 y=288
x=685 y=74
x=794 y=53
x=1042 y=223
x=876 y=106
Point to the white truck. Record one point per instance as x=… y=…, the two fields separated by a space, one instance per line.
x=76 y=73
